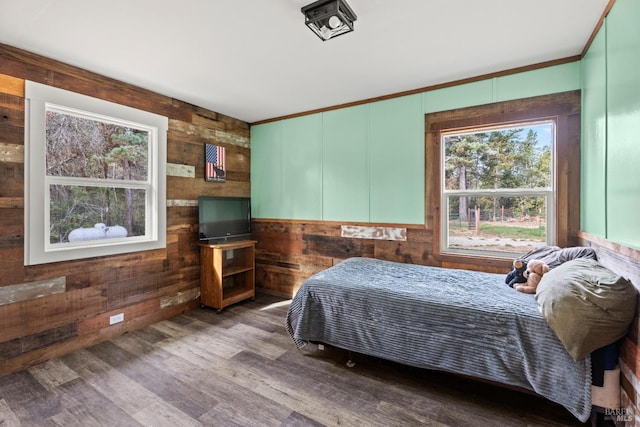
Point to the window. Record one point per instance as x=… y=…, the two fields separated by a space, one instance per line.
x=503 y=178
x=95 y=177
x=497 y=188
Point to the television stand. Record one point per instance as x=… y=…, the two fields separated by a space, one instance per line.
x=227 y=273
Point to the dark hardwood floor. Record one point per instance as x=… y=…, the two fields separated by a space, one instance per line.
x=241 y=368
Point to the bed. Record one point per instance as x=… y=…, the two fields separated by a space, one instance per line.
x=460 y=321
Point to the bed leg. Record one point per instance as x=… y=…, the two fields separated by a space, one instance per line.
x=350 y=362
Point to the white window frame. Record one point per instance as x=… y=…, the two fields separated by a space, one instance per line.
x=40 y=98
x=548 y=193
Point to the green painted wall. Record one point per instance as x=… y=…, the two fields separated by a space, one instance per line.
x=593 y=139
x=266 y=171
x=301 y=179
x=345 y=162
x=371 y=160
x=396 y=160
x=611 y=128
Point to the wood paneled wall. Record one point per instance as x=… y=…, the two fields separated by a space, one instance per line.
x=290 y=251
x=52 y=309
x=624 y=261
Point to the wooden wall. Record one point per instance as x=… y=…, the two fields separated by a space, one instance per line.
x=624 y=261
x=52 y=309
x=289 y=251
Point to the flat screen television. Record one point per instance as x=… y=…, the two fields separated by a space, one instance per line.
x=224 y=218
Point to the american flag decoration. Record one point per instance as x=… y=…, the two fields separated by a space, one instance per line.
x=215 y=169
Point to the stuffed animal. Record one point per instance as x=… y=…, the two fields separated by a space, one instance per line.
x=516 y=275
x=533 y=273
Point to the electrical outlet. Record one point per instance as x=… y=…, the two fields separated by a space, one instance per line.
x=116 y=318
x=229 y=253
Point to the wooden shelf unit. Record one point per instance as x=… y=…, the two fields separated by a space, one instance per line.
x=227 y=273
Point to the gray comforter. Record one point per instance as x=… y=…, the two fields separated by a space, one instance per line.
x=452 y=320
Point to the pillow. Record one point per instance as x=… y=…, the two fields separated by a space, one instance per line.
x=587 y=305
x=553 y=256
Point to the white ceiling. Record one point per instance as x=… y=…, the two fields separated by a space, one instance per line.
x=255 y=59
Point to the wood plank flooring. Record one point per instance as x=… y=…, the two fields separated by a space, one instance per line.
x=240 y=368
